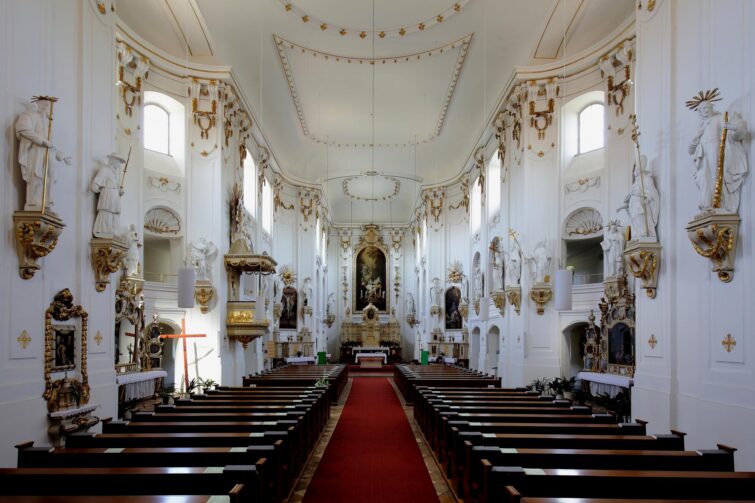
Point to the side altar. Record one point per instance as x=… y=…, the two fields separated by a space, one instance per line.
x=371 y=333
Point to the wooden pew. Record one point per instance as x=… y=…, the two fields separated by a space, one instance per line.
x=677 y=485
x=134 y=481
x=269 y=469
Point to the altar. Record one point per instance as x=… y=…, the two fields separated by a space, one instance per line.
x=137 y=385
x=371 y=335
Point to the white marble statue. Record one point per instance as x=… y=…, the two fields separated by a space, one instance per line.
x=306 y=291
x=477 y=283
x=201 y=253
x=613 y=250
x=704 y=150
x=31 y=130
x=132 y=260
x=497 y=270
x=107 y=184
x=514 y=264
x=331 y=306
x=642 y=204
x=436 y=293
x=410 y=308
x=465 y=290
x=540 y=263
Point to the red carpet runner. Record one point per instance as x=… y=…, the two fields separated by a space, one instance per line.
x=372 y=456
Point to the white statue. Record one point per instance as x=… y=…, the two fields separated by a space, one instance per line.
x=306 y=291
x=514 y=264
x=436 y=293
x=410 y=309
x=642 y=204
x=331 y=306
x=705 y=148
x=201 y=253
x=497 y=270
x=477 y=283
x=540 y=263
x=32 y=131
x=613 y=250
x=464 y=290
x=132 y=262
x=106 y=183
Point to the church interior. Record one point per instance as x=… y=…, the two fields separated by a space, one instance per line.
x=377 y=250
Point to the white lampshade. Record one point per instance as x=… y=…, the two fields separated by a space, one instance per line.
x=484 y=309
x=562 y=287
x=186 y=287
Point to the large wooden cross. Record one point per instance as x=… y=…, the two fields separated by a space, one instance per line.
x=183 y=336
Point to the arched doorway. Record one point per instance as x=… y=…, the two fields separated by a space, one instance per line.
x=493 y=347
x=474 y=348
x=573 y=348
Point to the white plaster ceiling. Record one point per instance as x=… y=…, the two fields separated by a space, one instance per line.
x=419 y=99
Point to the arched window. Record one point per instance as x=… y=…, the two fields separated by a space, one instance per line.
x=267 y=208
x=476 y=206
x=156 y=129
x=250 y=184
x=494 y=185
x=591 y=122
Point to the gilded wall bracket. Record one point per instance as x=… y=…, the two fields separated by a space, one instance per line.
x=36 y=237
x=107 y=258
x=514 y=296
x=643 y=261
x=541 y=294
x=203 y=294
x=499 y=299
x=714 y=236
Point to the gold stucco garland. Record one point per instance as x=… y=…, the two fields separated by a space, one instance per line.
x=344 y=31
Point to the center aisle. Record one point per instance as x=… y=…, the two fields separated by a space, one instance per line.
x=373 y=455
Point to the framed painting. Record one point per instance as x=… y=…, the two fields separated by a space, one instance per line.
x=453 y=316
x=64 y=350
x=370 y=278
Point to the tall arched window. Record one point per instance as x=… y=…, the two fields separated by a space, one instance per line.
x=267 y=208
x=250 y=184
x=591 y=123
x=476 y=203
x=494 y=185
x=157 y=129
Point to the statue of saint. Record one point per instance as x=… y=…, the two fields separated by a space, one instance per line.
x=477 y=283
x=306 y=291
x=331 y=306
x=514 y=264
x=132 y=262
x=106 y=183
x=410 y=304
x=497 y=270
x=613 y=250
x=642 y=204
x=705 y=148
x=540 y=263
x=32 y=133
x=201 y=252
x=436 y=292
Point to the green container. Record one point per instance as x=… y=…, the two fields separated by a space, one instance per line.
x=321 y=358
x=424 y=357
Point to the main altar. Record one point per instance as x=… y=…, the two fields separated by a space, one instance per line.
x=370 y=334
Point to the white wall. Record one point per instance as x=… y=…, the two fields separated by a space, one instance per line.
x=689 y=381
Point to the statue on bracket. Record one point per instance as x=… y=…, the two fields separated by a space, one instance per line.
x=306 y=292
x=108 y=184
x=436 y=292
x=540 y=263
x=33 y=130
x=201 y=253
x=132 y=262
x=497 y=272
x=477 y=283
x=642 y=204
x=613 y=250
x=514 y=263
x=707 y=149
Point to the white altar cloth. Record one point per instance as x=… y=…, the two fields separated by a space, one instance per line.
x=300 y=360
x=371 y=355
x=368 y=349
x=449 y=360
x=139 y=384
x=610 y=384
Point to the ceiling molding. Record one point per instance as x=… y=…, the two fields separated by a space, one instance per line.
x=387 y=197
x=283 y=46
x=366 y=34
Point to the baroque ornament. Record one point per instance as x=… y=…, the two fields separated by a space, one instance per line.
x=456 y=272
x=287 y=275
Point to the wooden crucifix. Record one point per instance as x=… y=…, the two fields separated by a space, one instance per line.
x=183 y=336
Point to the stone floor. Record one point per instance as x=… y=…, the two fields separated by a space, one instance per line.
x=442 y=487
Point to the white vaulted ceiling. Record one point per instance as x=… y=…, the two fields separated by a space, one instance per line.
x=432 y=79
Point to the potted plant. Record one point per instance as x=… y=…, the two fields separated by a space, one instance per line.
x=561 y=385
x=322 y=383
x=166 y=392
x=540 y=385
x=209 y=384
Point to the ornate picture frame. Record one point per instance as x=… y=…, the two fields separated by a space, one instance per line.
x=64 y=347
x=618 y=348
x=370 y=262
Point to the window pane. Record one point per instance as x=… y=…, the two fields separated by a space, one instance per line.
x=591 y=128
x=494 y=184
x=250 y=185
x=267 y=208
x=476 y=206
x=156 y=129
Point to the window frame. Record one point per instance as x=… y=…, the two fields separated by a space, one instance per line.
x=579 y=127
x=167 y=115
x=252 y=183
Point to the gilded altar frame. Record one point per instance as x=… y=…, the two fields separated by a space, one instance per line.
x=370 y=237
x=618 y=310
